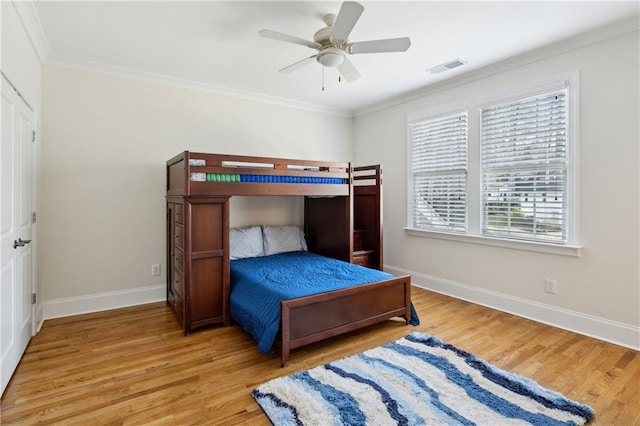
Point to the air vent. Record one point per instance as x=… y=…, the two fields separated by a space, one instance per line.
x=447 y=66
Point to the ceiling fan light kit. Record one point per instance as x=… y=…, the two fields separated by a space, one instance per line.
x=332 y=42
x=331 y=57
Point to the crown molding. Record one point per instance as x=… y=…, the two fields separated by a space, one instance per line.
x=30 y=20
x=28 y=15
x=191 y=85
x=617 y=29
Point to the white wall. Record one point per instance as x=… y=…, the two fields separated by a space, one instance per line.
x=599 y=291
x=21 y=65
x=19 y=59
x=106 y=142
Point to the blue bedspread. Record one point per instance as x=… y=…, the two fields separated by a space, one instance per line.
x=259 y=284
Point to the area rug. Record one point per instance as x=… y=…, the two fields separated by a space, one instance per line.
x=417 y=380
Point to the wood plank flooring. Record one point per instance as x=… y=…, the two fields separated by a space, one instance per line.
x=134 y=366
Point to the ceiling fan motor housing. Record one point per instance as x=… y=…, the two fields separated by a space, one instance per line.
x=323 y=36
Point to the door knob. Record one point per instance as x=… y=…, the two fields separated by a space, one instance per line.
x=20 y=243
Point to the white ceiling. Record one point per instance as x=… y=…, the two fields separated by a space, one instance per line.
x=215 y=45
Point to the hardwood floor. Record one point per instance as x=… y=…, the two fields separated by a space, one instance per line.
x=134 y=366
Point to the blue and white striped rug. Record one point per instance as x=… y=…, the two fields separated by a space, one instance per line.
x=417 y=380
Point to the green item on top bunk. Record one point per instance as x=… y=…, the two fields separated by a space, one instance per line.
x=222 y=177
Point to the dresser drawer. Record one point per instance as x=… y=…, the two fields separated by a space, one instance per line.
x=178 y=283
x=179 y=236
x=179 y=261
x=179 y=213
x=363 y=258
x=178 y=308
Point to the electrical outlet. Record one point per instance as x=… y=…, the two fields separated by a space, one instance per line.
x=155 y=269
x=551 y=286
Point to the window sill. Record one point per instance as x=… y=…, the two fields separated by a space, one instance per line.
x=564 y=250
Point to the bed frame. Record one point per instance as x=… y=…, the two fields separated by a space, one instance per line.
x=313 y=318
x=198 y=278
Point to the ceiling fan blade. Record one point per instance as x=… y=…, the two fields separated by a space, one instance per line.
x=298 y=65
x=380 y=46
x=348 y=71
x=349 y=14
x=274 y=35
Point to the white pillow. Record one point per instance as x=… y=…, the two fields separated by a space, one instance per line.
x=280 y=239
x=245 y=242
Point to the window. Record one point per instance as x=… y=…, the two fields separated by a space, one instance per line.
x=524 y=168
x=439 y=173
x=498 y=171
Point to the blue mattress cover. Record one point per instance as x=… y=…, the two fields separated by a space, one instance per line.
x=233 y=177
x=292 y=179
x=259 y=284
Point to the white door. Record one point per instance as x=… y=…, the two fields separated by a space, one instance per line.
x=16 y=253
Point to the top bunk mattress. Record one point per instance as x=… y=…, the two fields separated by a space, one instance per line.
x=259 y=284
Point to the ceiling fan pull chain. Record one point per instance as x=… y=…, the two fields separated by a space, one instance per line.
x=323 y=79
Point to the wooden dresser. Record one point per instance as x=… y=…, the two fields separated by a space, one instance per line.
x=198 y=258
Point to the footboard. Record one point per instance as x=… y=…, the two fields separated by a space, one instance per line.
x=313 y=318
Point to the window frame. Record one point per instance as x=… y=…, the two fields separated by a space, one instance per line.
x=473 y=105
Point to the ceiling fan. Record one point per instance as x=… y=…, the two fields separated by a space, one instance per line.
x=332 y=42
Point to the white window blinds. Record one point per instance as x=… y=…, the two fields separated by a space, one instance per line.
x=524 y=168
x=439 y=173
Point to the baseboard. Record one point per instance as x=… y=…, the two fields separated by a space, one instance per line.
x=588 y=325
x=103 y=301
x=39 y=318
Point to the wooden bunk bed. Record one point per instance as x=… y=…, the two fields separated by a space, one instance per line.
x=199 y=186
